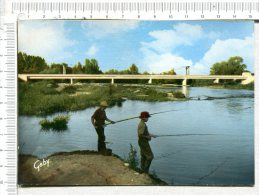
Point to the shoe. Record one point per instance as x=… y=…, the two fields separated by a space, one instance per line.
x=105 y=152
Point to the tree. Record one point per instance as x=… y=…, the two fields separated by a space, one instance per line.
x=234 y=66
x=78 y=69
x=57 y=67
x=170 y=72
x=146 y=73
x=112 y=71
x=92 y=67
x=133 y=69
x=30 y=64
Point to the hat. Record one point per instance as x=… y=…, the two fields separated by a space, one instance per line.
x=144 y=115
x=104 y=104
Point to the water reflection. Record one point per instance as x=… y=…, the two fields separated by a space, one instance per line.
x=185 y=91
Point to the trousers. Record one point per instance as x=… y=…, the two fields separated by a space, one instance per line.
x=101 y=139
x=146 y=154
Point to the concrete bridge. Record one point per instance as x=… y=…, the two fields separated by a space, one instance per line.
x=245 y=78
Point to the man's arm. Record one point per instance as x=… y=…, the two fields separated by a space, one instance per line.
x=92 y=120
x=109 y=120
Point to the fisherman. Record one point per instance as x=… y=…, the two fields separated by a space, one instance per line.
x=98 y=120
x=143 y=138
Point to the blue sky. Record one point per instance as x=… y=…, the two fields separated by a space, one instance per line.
x=154 y=46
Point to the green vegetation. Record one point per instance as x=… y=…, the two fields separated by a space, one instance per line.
x=70 y=89
x=226 y=84
x=234 y=66
x=58 y=123
x=30 y=64
x=42 y=98
x=37 y=64
x=235 y=85
x=132 y=158
x=178 y=94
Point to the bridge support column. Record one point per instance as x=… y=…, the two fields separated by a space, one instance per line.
x=184 y=83
x=216 y=81
x=112 y=82
x=71 y=81
x=150 y=81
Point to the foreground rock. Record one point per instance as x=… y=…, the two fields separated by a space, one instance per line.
x=79 y=168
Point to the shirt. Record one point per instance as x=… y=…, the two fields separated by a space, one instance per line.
x=142 y=128
x=99 y=117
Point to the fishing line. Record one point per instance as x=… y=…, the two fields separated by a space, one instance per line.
x=182 y=135
x=126 y=119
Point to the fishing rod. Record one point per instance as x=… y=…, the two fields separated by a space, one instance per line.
x=126 y=119
x=180 y=135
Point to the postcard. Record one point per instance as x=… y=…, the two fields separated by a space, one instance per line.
x=135 y=103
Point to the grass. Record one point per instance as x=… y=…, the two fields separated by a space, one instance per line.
x=58 y=123
x=39 y=99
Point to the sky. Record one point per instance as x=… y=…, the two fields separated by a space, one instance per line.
x=154 y=46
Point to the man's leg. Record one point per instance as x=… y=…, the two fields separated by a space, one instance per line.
x=101 y=139
x=143 y=162
x=147 y=152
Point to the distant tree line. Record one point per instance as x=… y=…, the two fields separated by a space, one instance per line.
x=233 y=66
x=37 y=65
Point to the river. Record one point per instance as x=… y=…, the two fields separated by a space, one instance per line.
x=225 y=156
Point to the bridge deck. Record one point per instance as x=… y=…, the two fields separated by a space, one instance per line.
x=103 y=76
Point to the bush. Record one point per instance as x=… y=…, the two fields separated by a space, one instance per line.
x=58 y=123
x=69 y=89
x=49 y=91
x=132 y=158
x=178 y=94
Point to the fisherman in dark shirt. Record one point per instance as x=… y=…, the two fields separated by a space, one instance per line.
x=98 y=120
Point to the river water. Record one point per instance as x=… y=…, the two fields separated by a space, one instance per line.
x=223 y=157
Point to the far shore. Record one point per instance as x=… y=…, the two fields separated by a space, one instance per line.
x=43 y=98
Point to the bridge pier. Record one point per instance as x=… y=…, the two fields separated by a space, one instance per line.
x=71 y=81
x=112 y=81
x=150 y=81
x=184 y=83
x=216 y=81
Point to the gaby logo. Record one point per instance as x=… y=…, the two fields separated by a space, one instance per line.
x=38 y=164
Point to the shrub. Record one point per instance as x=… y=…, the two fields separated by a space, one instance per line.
x=58 y=123
x=49 y=91
x=178 y=94
x=132 y=158
x=69 y=89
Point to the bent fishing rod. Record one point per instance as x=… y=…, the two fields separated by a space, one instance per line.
x=126 y=119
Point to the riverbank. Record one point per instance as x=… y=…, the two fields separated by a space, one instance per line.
x=80 y=168
x=227 y=85
x=45 y=97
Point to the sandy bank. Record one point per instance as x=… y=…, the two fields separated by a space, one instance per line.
x=79 y=168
